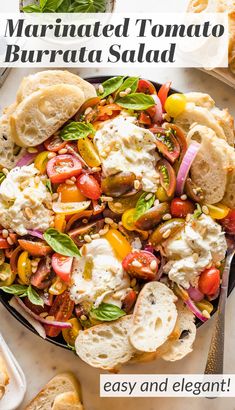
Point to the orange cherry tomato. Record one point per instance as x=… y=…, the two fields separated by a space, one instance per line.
x=4 y=244
x=35 y=248
x=70 y=193
x=209 y=281
x=60 y=222
x=108 y=111
x=144 y=119
x=180 y=208
x=91 y=102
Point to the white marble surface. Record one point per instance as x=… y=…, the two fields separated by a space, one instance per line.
x=41 y=360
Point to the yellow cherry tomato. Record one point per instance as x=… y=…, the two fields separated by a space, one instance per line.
x=118 y=242
x=57 y=287
x=41 y=161
x=24 y=268
x=60 y=222
x=218 y=211
x=7 y=277
x=175 y=104
x=71 y=334
x=70 y=208
x=70 y=193
x=128 y=219
x=88 y=152
x=162 y=195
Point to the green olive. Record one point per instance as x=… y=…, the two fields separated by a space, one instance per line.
x=152 y=217
x=173 y=225
x=119 y=184
x=120 y=205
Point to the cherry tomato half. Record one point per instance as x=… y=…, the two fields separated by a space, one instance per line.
x=166 y=143
x=35 y=248
x=167 y=176
x=163 y=92
x=129 y=301
x=54 y=143
x=89 y=186
x=175 y=104
x=229 y=222
x=63 y=167
x=62 y=310
x=70 y=335
x=141 y=265
x=146 y=87
x=180 y=208
x=70 y=193
x=24 y=268
x=62 y=266
x=4 y=244
x=42 y=278
x=118 y=242
x=209 y=281
x=144 y=119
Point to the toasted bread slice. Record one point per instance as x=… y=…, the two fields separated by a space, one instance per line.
x=67 y=401
x=179 y=348
x=154 y=317
x=44 y=79
x=107 y=345
x=229 y=196
x=49 y=395
x=4 y=377
x=41 y=114
x=200 y=99
x=210 y=167
x=10 y=153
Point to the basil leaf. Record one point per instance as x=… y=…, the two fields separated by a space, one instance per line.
x=76 y=130
x=198 y=212
x=64 y=7
x=18 y=290
x=61 y=243
x=50 y=6
x=32 y=8
x=42 y=3
x=48 y=186
x=130 y=82
x=142 y=205
x=138 y=101
x=34 y=297
x=110 y=86
x=89 y=6
x=2 y=177
x=107 y=312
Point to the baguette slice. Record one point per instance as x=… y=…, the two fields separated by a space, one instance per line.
x=154 y=317
x=67 y=401
x=10 y=153
x=44 y=79
x=106 y=346
x=229 y=196
x=177 y=349
x=62 y=383
x=210 y=167
x=41 y=114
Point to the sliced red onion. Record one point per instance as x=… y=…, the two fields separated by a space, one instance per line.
x=28 y=158
x=158 y=115
x=185 y=166
x=36 y=233
x=195 y=310
x=195 y=294
x=149 y=248
x=41 y=319
x=34 y=323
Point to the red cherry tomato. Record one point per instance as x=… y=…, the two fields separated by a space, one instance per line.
x=180 y=208
x=63 y=167
x=144 y=119
x=166 y=143
x=54 y=143
x=129 y=301
x=141 y=265
x=144 y=86
x=89 y=186
x=4 y=244
x=163 y=92
x=229 y=222
x=62 y=266
x=62 y=310
x=209 y=281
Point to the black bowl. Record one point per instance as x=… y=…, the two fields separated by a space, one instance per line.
x=59 y=341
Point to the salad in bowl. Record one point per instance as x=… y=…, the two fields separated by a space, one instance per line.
x=114 y=204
